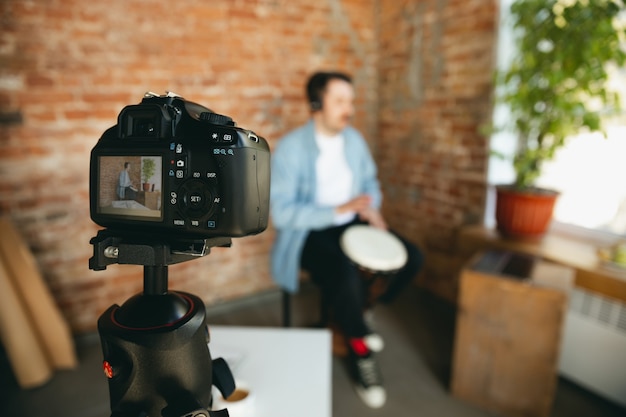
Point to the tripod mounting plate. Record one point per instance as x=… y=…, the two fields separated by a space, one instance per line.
x=110 y=247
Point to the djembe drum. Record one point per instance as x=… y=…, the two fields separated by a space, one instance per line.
x=377 y=253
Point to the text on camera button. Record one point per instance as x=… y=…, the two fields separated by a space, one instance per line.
x=179 y=222
x=195 y=223
x=179 y=148
x=195 y=200
x=211 y=224
x=180 y=173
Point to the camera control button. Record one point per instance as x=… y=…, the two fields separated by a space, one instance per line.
x=211 y=224
x=108 y=369
x=196 y=200
x=179 y=222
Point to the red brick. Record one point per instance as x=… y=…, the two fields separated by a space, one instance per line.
x=81 y=62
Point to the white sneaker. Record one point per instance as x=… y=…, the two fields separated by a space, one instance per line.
x=373 y=397
x=368 y=384
x=374 y=342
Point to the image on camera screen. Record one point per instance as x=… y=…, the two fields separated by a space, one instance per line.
x=131 y=186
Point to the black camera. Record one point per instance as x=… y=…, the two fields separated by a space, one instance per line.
x=171 y=165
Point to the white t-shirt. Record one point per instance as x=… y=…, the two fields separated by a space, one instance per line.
x=334 y=177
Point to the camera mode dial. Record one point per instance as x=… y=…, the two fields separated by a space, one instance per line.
x=217 y=119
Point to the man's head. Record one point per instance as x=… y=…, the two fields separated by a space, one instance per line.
x=331 y=97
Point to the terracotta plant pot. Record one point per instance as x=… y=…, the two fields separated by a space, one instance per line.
x=524 y=214
x=146 y=186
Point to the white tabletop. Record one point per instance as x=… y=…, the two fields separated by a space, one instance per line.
x=288 y=371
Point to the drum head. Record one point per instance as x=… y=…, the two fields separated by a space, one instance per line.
x=373 y=249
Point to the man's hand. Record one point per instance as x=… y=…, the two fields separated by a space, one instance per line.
x=373 y=217
x=356 y=205
x=361 y=206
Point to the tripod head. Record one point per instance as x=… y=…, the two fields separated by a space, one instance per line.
x=155 y=345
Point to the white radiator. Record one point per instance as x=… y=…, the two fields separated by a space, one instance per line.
x=593 y=350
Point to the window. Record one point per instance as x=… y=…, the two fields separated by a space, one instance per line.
x=590 y=172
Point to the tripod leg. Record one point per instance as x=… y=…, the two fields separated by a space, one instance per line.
x=286 y=309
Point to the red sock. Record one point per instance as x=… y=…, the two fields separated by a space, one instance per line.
x=358 y=346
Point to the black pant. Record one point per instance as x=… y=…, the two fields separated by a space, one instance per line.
x=129 y=194
x=340 y=281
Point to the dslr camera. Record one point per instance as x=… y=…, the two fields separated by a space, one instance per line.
x=171 y=166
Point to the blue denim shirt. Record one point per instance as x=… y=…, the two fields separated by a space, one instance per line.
x=292 y=195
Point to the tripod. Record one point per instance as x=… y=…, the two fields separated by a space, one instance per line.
x=156 y=356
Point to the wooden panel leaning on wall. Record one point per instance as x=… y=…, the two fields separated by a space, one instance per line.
x=34 y=333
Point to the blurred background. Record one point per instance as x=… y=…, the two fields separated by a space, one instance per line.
x=423 y=77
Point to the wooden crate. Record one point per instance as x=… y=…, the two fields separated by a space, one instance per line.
x=508 y=335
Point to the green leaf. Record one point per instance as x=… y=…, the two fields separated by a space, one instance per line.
x=547 y=90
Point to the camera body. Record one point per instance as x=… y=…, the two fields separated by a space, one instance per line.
x=173 y=166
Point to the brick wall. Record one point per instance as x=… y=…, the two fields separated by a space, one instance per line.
x=435 y=82
x=67 y=67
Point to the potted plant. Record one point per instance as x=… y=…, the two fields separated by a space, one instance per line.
x=555 y=86
x=148 y=168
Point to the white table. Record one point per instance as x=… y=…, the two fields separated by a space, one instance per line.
x=288 y=371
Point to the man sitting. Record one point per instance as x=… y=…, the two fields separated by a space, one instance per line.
x=324 y=180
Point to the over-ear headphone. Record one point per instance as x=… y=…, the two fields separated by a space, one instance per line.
x=314 y=90
x=315 y=105
x=316 y=85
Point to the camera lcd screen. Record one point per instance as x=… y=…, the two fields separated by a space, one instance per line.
x=131 y=187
